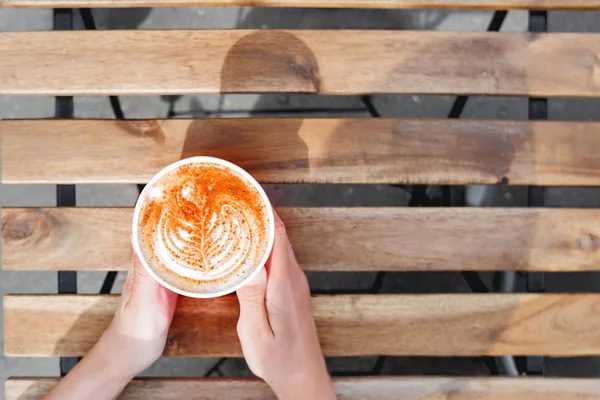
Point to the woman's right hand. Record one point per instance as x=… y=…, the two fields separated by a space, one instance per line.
x=277 y=330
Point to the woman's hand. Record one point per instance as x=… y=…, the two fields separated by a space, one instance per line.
x=277 y=330
x=138 y=332
x=135 y=338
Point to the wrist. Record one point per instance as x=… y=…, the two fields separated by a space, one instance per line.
x=94 y=377
x=305 y=386
x=106 y=355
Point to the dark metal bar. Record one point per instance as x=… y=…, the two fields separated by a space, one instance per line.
x=461 y=101
x=538 y=21
x=457 y=107
x=90 y=24
x=173 y=99
x=534 y=365
x=64 y=107
x=536 y=282
x=215 y=368
x=111 y=276
x=370 y=107
x=378 y=282
x=418 y=196
x=379 y=364
x=63 y=20
x=67 y=364
x=67 y=282
x=536 y=196
x=108 y=283
x=88 y=19
x=65 y=194
x=115 y=104
x=373 y=289
x=497 y=21
x=471 y=277
x=267 y=112
x=538 y=110
x=474 y=281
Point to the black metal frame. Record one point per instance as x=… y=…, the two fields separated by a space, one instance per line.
x=538 y=110
x=65 y=194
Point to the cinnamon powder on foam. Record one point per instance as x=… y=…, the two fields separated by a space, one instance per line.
x=199 y=177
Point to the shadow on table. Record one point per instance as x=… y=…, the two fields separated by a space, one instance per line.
x=493 y=155
x=273 y=56
x=32 y=391
x=83 y=333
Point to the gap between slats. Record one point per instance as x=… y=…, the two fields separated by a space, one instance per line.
x=467 y=4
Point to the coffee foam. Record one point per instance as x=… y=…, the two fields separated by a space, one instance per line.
x=203 y=228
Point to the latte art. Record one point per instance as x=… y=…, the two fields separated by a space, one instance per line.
x=203 y=243
x=203 y=227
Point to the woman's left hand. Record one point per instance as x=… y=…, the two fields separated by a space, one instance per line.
x=135 y=338
x=138 y=332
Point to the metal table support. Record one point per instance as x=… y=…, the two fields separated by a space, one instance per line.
x=65 y=194
x=538 y=110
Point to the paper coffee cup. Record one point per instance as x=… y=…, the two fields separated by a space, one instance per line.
x=231 y=228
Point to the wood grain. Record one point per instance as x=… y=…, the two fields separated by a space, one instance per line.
x=469 y=4
x=274 y=150
x=46 y=238
x=348 y=325
x=326 y=62
x=372 y=388
x=334 y=239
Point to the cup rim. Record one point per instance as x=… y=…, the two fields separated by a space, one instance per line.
x=202 y=160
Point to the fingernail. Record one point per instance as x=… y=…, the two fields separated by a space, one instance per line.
x=260 y=278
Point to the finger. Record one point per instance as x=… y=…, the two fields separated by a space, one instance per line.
x=142 y=290
x=128 y=284
x=281 y=243
x=280 y=230
x=282 y=254
x=253 y=311
x=171 y=299
x=143 y=286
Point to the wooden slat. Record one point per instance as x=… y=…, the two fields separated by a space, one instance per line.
x=348 y=325
x=336 y=239
x=469 y=4
x=327 y=62
x=306 y=150
x=380 y=388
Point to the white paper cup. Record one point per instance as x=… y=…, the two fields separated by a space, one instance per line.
x=234 y=169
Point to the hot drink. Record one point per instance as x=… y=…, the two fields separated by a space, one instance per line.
x=203 y=227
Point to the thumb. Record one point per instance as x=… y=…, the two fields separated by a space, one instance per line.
x=140 y=274
x=140 y=283
x=253 y=312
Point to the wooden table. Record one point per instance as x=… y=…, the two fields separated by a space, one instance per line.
x=533 y=153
